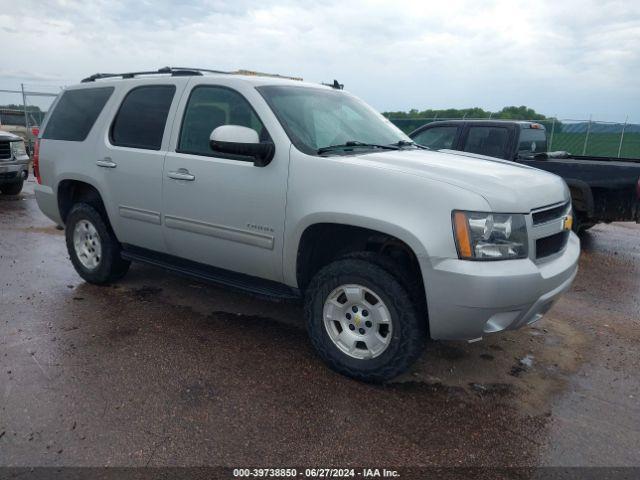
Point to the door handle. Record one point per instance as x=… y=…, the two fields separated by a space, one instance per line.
x=182 y=174
x=106 y=162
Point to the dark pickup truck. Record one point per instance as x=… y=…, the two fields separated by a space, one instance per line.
x=602 y=189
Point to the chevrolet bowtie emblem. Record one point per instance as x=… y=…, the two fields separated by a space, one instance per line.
x=568 y=222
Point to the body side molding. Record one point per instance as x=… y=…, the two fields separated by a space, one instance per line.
x=139 y=214
x=260 y=240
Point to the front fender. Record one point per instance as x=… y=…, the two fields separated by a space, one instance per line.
x=292 y=242
x=353 y=191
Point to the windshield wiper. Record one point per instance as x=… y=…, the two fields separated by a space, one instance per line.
x=355 y=143
x=407 y=143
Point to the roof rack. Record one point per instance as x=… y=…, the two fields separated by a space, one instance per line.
x=182 y=72
x=262 y=74
x=174 y=72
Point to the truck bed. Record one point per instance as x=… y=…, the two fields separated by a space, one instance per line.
x=605 y=189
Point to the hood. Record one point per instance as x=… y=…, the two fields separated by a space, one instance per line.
x=508 y=186
x=4 y=135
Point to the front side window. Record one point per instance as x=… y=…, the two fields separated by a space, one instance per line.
x=490 y=141
x=315 y=118
x=210 y=107
x=437 y=138
x=75 y=113
x=142 y=117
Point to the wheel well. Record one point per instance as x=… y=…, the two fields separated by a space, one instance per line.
x=71 y=192
x=323 y=243
x=578 y=199
x=582 y=197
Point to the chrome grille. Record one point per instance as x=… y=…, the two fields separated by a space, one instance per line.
x=548 y=235
x=547 y=246
x=551 y=214
x=5 y=150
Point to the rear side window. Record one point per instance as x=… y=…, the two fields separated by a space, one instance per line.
x=532 y=140
x=75 y=113
x=437 y=138
x=490 y=141
x=142 y=117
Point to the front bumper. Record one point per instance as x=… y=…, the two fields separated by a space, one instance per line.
x=12 y=172
x=467 y=300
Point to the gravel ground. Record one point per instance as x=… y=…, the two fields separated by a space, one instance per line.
x=162 y=371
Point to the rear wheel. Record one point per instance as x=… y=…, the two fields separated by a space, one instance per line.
x=362 y=321
x=92 y=246
x=12 y=188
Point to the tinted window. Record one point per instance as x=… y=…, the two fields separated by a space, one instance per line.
x=75 y=113
x=532 y=140
x=142 y=116
x=490 y=141
x=437 y=137
x=209 y=108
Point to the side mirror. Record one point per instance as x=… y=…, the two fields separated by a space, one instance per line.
x=238 y=140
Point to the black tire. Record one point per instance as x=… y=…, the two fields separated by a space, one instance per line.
x=111 y=266
x=580 y=222
x=12 y=188
x=409 y=328
x=408 y=279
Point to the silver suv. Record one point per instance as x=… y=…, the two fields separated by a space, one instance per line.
x=297 y=190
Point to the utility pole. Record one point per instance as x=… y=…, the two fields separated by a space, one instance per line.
x=624 y=127
x=24 y=108
x=586 y=139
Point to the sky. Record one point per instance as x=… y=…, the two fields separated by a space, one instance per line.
x=572 y=58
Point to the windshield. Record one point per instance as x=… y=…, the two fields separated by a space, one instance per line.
x=316 y=118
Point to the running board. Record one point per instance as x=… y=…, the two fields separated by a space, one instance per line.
x=217 y=276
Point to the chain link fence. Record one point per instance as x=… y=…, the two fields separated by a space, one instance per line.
x=579 y=137
x=23 y=110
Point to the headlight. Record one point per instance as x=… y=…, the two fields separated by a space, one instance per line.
x=490 y=236
x=18 y=149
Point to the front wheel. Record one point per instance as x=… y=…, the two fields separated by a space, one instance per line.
x=362 y=321
x=92 y=246
x=12 y=188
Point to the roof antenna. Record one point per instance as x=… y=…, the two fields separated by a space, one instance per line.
x=336 y=85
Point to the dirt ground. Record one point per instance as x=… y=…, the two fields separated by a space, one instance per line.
x=162 y=371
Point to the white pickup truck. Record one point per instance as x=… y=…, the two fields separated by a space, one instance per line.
x=299 y=190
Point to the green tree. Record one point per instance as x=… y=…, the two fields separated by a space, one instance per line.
x=519 y=113
x=13 y=106
x=512 y=112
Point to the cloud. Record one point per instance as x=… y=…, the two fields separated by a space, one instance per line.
x=27 y=76
x=571 y=58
